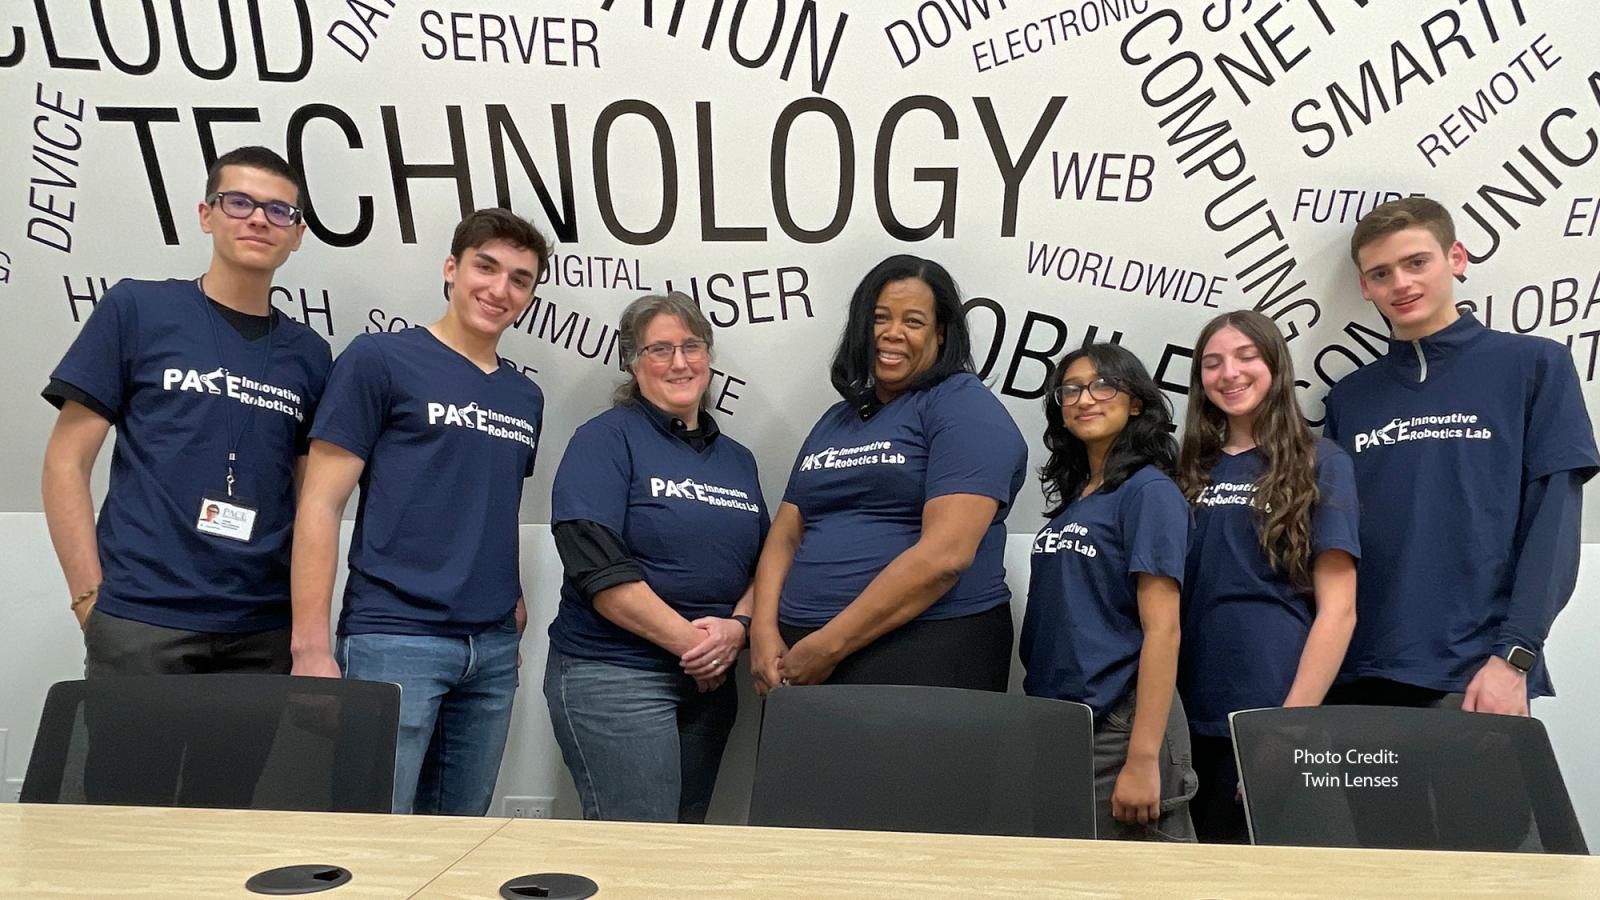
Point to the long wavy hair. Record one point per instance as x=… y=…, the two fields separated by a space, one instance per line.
x=1146 y=440
x=1286 y=492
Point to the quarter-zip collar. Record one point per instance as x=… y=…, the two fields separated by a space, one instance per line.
x=1415 y=360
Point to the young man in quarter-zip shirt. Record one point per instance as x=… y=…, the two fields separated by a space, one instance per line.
x=1471 y=448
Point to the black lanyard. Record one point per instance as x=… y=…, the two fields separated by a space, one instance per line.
x=227 y=407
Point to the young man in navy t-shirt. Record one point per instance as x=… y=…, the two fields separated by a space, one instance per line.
x=440 y=434
x=1471 y=448
x=211 y=393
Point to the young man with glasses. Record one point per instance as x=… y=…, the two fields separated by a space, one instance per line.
x=211 y=393
x=1471 y=448
x=439 y=433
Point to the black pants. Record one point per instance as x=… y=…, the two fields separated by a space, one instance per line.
x=1218 y=813
x=1381 y=692
x=966 y=652
x=185 y=765
x=117 y=646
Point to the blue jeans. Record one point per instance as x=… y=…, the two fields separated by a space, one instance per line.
x=455 y=711
x=642 y=746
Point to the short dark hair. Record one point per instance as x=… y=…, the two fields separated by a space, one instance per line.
x=498 y=224
x=852 y=361
x=263 y=159
x=1146 y=440
x=1397 y=215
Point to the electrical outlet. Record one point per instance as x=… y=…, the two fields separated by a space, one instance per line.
x=527 y=807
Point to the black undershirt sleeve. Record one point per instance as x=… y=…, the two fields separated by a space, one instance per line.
x=593 y=557
x=58 y=392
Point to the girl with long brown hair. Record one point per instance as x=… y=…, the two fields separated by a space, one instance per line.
x=1270 y=585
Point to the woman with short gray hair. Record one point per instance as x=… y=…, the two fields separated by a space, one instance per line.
x=658 y=518
x=631 y=339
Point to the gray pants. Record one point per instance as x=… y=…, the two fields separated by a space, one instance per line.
x=1178 y=780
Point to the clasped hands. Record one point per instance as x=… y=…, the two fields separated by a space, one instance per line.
x=708 y=662
x=810 y=661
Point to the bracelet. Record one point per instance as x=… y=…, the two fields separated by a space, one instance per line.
x=84 y=597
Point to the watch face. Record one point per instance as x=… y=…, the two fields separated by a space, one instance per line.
x=1521 y=657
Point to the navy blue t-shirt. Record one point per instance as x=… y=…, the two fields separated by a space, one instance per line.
x=860 y=487
x=447 y=447
x=184 y=385
x=693 y=521
x=1081 y=634
x=1244 y=624
x=1444 y=432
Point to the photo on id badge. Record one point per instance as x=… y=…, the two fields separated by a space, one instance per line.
x=226 y=517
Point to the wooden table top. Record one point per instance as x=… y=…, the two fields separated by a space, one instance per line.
x=115 y=851
x=662 y=861
x=48 y=850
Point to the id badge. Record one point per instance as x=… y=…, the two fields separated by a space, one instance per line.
x=226 y=517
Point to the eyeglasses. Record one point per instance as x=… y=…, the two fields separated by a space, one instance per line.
x=1100 y=389
x=661 y=353
x=239 y=205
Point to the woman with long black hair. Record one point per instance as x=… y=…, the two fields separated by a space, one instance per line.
x=1270 y=587
x=1101 y=627
x=883 y=565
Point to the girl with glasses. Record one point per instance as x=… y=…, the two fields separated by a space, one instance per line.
x=1101 y=626
x=1270 y=586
